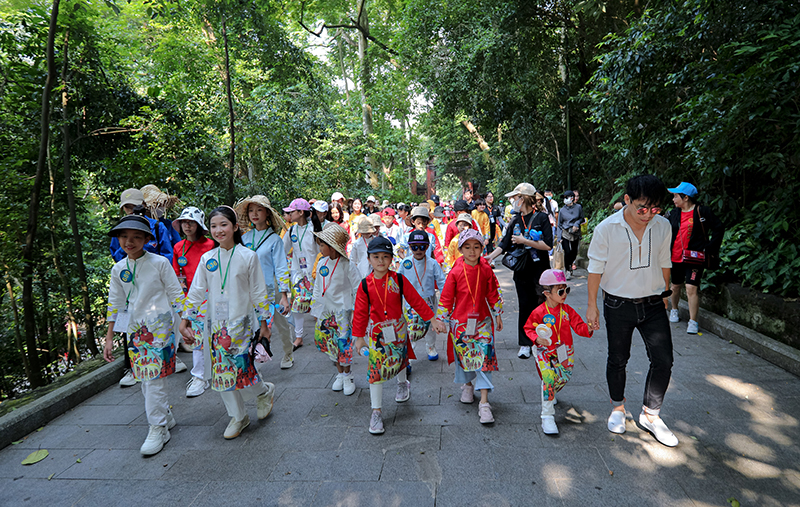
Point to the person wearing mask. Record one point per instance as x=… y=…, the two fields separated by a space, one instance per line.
x=569 y=223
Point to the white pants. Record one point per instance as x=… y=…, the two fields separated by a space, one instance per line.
x=376 y=390
x=234 y=400
x=156 y=404
x=299 y=320
x=198 y=363
x=280 y=329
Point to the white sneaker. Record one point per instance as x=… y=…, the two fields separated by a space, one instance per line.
x=403 y=392
x=179 y=365
x=338 y=384
x=569 y=277
x=287 y=362
x=156 y=438
x=264 y=401
x=659 y=430
x=348 y=384
x=692 y=328
x=235 y=427
x=195 y=387
x=128 y=379
x=524 y=352
x=549 y=425
x=616 y=422
x=376 y=423
x=673 y=316
x=171 y=422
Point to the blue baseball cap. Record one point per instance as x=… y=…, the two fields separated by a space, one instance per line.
x=684 y=188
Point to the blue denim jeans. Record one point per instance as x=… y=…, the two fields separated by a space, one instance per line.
x=650 y=318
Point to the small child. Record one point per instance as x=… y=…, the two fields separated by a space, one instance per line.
x=471 y=295
x=554 y=341
x=426 y=276
x=142 y=295
x=378 y=315
x=365 y=231
x=463 y=222
x=332 y=304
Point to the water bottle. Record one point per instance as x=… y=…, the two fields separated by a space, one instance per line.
x=517 y=230
x=364 y=351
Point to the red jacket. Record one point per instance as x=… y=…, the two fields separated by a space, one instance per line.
x=452 y=229
x=194 y=250
x=562 y=334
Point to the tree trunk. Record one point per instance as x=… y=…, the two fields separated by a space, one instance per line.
x=91 y=341
x=28 y=309
x=366 y=79
x=17 y=333
x=231 y=122
x=340 y=49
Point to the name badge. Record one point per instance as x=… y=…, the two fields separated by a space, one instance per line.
x=184 y=284
x=212 y=265
x=407 y=264
x=324 y=271
x=126 y=276
x=182 y=261
x=388 y=332
x=472 y=324
x=221 y=310
x=303 y=263
x=122 y=322
x=561 y=350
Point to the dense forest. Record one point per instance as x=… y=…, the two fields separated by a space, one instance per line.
x=211 y=100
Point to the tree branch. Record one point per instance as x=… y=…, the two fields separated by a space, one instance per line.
x=355 y=26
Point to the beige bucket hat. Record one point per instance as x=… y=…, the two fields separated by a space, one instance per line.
x=275 y=220
x=365 y=226
x=335 y=236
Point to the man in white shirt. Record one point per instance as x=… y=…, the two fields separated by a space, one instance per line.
x=629 y=258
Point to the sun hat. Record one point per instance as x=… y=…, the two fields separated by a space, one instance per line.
x=156 y=199
x=552 y=277
x=468 y=235
x=380 y=245
x=298 y=204
x=685 y=188
x=420 y=211
x=365 y=226
x=336 y=237
x=417 y=237
x=464 y=217
x=192 y=214
x=438 y=212
x=375 y=218
x=522 y=189
x=337 y=196
x=132 y=223
x=274 y=218
x=321 y=206
x=131 y=196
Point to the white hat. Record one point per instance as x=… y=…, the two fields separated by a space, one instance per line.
x=371 y=198
x=337 y=196
x=191 y=213
x=522 y=189
x=320 y=206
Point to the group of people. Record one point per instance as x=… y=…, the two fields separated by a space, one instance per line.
x=375 y=280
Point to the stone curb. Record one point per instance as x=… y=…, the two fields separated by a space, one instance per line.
x=17 y=424
x=763 y=346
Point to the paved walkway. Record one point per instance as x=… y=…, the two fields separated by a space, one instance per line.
x=735 y=414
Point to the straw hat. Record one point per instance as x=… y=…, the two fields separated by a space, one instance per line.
x=274 y=219
x=336 y=237
x=156 y=199
x=365 y=226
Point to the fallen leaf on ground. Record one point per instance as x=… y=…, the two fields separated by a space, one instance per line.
x=324 y=415
x=50 y=476
x=35 y=457
x=17 y=442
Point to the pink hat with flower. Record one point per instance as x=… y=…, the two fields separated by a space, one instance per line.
x=552 y=277
x=468 y=235
x=298 y=204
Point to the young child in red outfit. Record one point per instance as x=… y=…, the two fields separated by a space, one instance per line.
x=549 y=328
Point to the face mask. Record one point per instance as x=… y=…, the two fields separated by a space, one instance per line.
x=568 y=201
x=517 y=204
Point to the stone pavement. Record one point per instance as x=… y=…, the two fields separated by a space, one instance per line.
x=736 y=416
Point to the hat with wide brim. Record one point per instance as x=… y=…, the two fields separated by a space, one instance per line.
x=438 y=212
x=274 y=218
x=334 y=236
x=365 y=225
x=375 y=218
x=132 y=223
x=192 y=214
x=522 y=189
x=421 y=212
x=155 y=198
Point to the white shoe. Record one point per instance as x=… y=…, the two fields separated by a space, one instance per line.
x=549 y=425
x=264 y=401
x=195 y=387
x=235 y=427
x=616 y=422
x=524 y=352
x=569 y=277
x=171 y=422
x=179 y=365
x=348 y=384
x=128 y=379
x=376 y=423
x=673 y=316
x=403 y=392
x=287 y=362
x=692 y=328
x=338 y=384
x=156 y=438
x=659 y=430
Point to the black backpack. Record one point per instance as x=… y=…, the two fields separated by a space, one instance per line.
x=364 y=287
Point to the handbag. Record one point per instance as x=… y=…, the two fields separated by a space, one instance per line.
x=558 y=256
x=516 y=259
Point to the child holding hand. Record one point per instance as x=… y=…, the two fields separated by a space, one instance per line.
x=470 y=296
x=378 y=317
x=549 y=327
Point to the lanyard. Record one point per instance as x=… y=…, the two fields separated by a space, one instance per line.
x=423 y=272
x=326 y=285
x=133 y=281
x=558 y=329
x=477 y=282
x=183 y=252
x=385 y=294
x=254 y=246
x=227 y=268
x=300 y=243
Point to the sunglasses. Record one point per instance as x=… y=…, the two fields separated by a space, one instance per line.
x=645 y=210
x=417 y=248
x=560 y=292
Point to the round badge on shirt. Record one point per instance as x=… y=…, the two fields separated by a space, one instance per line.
x=294 y=238
x=182 y=261
x=407 y=264
x=549 y=319
x=212 y=265
x=324 y=271
x=125 y=275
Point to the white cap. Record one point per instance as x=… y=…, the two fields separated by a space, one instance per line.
x=522 y=189
x=371 y=198
x=320 y=206
x=337 y=196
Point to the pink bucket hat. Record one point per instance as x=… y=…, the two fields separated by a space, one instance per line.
x=298 y=204
x=552 y=277
x=468 y=235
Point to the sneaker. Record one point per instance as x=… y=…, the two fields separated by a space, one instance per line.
x=128 y=379
x=171 y=422
x=485 y=412
x=659 y=430
x=195 y=387
x=403 y=392
x=156 y=438
x=692 y=328
x=338 y=384
x=569 y=275
x=179 y=365
x=433 y=355
x=287 y=362
x=348 y=384
x=549 y=425
x=673 y=316
x=524 y=352
x=467 y=394
x=616 y=422
x=376 y=423
x=235 y=427
x=264 y=401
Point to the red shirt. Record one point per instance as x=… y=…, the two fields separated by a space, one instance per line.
x=193 y=251
x=452 y=229
x=684 y=232
x=382 y=299
x=562 y=334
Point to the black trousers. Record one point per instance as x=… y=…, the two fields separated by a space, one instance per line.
x=529 y=295
x=570 y=252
